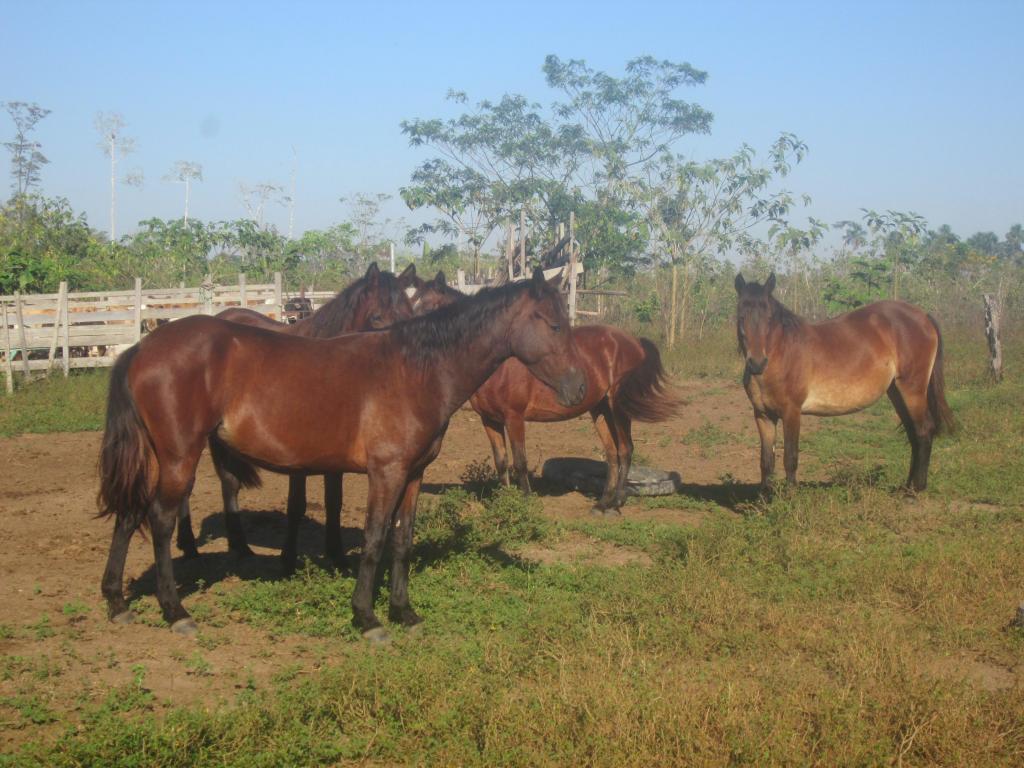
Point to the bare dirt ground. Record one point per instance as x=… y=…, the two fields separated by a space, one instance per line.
x=54 y=549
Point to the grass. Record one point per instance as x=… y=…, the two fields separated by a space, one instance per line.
x=56 y=404
x=840 y=623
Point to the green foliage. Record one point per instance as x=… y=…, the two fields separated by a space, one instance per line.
x=56 y=404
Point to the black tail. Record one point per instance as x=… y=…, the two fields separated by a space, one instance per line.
x=940 y=411
x=126 y=453
x=643 y=393
x=226 y=459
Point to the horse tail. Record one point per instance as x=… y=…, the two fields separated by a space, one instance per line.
x=126 y=453
x=939 y=409
x=643 y=393
x=225 y=459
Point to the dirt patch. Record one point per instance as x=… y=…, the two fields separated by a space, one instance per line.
x=581 y=549
x=980 y=673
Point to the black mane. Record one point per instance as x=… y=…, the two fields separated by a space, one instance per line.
x=424 y=339
x=337 y=315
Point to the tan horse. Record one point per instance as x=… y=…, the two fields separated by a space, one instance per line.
x=840 y=366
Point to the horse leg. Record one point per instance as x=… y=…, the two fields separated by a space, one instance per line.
x=791 y=435
x=229 y=485
x=333 y=548
x=496 y=434
x=161 y=526
x=624 y=433
x=296 y=511
x=399 y=610
x=604 y=425
x=113 y=576
x=186 y=539
x=517 y=438
x=766 y=428
x=910 y=399
x=387 y=485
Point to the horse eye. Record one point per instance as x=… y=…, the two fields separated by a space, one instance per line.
x=556 y=328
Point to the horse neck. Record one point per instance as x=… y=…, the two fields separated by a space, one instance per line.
x=342 y=321
x=471 y=355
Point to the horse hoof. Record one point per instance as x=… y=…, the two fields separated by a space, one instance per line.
x=185 y=627
x=597 y=511
x=377 y=636
x=242 y=550
x=613 y=512
x=190 y=554
x=124 y=617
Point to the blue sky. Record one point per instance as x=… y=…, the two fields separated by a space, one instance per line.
x=912 y=106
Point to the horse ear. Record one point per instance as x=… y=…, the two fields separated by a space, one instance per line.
x=440 y=280
x=769 y=284
x=740 y=283
x=408 y=275
x=537 y=282
x=372 y=274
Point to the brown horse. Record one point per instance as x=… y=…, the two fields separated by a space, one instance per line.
x=376 y=300
x=840 y=366
x=625 y=381
x=379 y=405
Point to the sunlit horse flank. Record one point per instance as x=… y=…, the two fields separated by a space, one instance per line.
x=379 y=405
x=625 y=381
x=840 y=366
x=376 y=300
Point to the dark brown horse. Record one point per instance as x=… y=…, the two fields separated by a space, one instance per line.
x=376 y=300
x=840 y=366
x=625 y=382
x=379 y=405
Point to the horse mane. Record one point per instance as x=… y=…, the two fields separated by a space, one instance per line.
x=336 y=315
x=426 y=338
x=787 y=319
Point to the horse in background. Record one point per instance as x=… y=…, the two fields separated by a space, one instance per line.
x=376 y=300
x=387 y=395
x=626 y=382
x=840 y=366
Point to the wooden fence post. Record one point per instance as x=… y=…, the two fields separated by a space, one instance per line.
x=243 y=300
x=572 y=268
x=522 y=242
x=19 y=315
x=62 y=296
x=460 y=277
x=66 y=350
x=138 y=309
x=8 y=369
x=509 y=256
x=278 y=296
x=995 y=346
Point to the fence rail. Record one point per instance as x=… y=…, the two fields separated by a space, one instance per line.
x=87 y=329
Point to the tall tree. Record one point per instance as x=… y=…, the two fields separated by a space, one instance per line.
x=255 y=197
x=26 y=155
x=115 y=145
x=185 y=172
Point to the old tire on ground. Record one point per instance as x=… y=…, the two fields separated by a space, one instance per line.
x=588 y=476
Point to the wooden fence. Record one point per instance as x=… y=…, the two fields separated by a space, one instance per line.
x=88 y=329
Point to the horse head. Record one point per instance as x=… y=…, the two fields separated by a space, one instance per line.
x=755 y=319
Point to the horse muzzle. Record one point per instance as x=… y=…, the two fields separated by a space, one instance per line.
x=572 y=388
x=756 y=367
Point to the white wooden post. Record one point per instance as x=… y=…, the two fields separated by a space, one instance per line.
x=67 y=340
x=572 y=268
x=243 y=300
x=460 y=277
x=278 y=296
x=8 y=369
x=995 y=346
x=21 y=333
x=508 y=249
x=138 y=309
x=62 y=296
x=522 y=242
x=391 y=253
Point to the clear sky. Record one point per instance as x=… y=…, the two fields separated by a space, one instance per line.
x=912 y=106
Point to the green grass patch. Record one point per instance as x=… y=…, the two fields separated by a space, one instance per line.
x=56 y=404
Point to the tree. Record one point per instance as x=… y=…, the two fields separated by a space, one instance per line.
x=896 y=235
x=502 y=157
x=255 y=196
x=185 y=172
x=701 y=210
x=115 y=145
x=27 y=158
